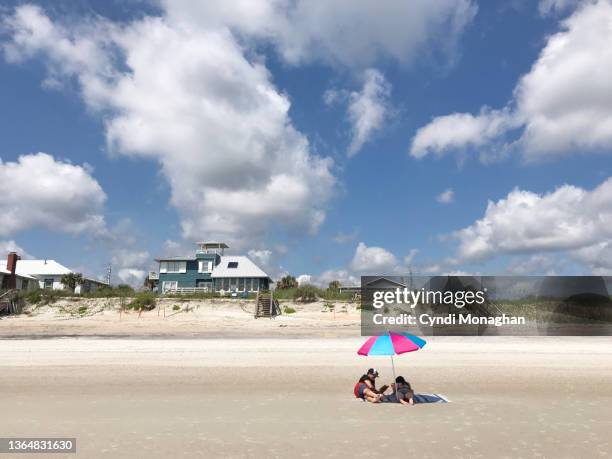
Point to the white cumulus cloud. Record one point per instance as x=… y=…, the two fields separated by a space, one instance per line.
x=460 y=130
x=38 y=191
x=188 y=97
x=563 y=105
x=304 y=279
x=12 y=246
x=322 y=280
x=373 y=260
x=351 y=33
x=134 y=277
x=569 y=219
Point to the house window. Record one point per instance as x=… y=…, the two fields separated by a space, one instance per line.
x=48 y=284
x=226 y=283
x=173 y=266
x=240 y=284
x=232 y=264
x=205 y=266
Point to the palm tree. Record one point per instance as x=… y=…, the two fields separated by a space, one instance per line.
x=286 y=283
x=334 y=286
x=71 y=280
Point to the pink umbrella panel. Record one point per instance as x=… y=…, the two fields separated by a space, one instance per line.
x=391 y=344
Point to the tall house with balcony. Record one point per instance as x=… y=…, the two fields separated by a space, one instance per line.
x=210 y=270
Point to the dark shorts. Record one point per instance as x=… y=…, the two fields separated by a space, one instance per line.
x=362 y=388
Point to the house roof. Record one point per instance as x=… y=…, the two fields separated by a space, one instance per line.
x=95 y=281
x=383 y=280
x=187 y=258
x=38 y=267
x=30 y=268
x=245 y=268
x=5 y=271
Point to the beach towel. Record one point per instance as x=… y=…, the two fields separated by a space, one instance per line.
x=430 y=398
x=419 y=398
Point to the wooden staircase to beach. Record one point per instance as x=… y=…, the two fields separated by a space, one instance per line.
x=266 y=305
x=10 y=303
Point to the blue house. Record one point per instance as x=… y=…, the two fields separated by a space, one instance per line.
x=209 y=270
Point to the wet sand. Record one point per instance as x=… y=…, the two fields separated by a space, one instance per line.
x=291 y=397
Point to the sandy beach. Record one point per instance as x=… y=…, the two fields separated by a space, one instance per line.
x=291 y=397
x=179 y=317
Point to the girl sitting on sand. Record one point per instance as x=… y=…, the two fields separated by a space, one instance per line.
x=365 y=388
x=403 y=395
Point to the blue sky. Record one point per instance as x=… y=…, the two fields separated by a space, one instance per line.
x=319 y=153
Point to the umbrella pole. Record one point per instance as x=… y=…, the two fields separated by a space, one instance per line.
x=394 y=383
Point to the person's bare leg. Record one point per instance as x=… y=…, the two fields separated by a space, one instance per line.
x=371 y=396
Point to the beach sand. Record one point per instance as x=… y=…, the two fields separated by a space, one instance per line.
x=292 y=397
x=179 y=317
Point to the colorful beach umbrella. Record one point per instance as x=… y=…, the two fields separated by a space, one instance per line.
x=391 y=344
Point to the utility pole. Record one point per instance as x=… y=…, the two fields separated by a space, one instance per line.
x=411 y=283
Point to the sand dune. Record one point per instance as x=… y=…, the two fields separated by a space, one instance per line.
x=177 y=317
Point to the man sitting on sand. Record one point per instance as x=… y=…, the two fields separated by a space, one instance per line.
x=403 y=395
x=365 y=388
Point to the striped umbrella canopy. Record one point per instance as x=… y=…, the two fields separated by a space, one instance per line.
x=391 y=344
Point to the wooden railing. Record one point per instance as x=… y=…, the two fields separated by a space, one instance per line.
x=193 y=290
x=10 y=303
x=266 y=305
x=186 y=290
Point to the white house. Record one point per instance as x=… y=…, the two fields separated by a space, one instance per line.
x=10 y=279
x=48 y=274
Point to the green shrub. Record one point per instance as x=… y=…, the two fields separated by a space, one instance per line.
x=332 y=294
x=176 y=307
x=288 y=310
x=82 y=310
x=51 y=296
x=121 y=290
x=142 y=301
x=33 y=296
x=124 y=288
x=307 y=293
x=284 y=294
